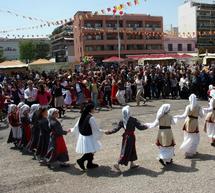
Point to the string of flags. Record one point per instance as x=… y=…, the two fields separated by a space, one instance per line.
x=119 y=9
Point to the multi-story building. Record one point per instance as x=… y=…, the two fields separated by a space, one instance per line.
x=62 y=43
x=175 y=44
x=198 y=19
x=102 y=36
x=10 y=47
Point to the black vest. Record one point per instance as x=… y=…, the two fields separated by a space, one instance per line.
x=84 y=127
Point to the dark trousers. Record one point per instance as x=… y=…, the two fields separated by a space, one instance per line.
x=107 y=98
x=87 y=157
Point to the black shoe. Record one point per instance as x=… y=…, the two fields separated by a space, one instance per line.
x=81 y=164
x=92 y=166
x=162 y=162
x=213 y=144
x=168 y=163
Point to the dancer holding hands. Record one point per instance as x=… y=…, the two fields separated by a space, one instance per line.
x=165 y=140
x=209 y=126
x=128 y=149
x=191 y=127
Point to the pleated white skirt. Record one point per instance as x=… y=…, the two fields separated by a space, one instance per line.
x=166 y=153
x=87 y=144
x=190 y=143
x=211 y=130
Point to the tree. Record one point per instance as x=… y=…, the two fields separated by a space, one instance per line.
x=1 y=55
x=27 y=51
x=42 y=50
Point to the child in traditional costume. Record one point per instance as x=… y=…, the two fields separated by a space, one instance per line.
x=191 y=127
x=25 y=125
x=209 y=127
x=165 y=140
x=57 y=150
x=88 y=135
x=13 y=119
x=128 y=149
x=35 y=130
x=44 y=137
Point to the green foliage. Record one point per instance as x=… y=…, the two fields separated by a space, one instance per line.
x=27 y=51
x=30 y=50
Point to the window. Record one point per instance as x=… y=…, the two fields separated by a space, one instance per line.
x=189 y=47
x=170 y=47
x=179 y=47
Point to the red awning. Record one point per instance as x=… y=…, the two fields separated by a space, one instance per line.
x=157 y=56
x=113 y=59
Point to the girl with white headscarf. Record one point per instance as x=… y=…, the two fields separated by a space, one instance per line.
x=35 y=131
x=13 y=119
x=57 y=150
x=191 y=127
x=128 y=149
x=25 y=125
x=209 y=127
x=165 y=140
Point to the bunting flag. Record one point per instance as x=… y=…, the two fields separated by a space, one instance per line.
x=24 y=17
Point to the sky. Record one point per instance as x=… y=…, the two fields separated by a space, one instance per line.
x=64 y=9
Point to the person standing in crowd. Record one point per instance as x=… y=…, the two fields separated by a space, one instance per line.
x=174 y=86
x=191 y=127
x=106 y=87
x=79 y=92
x=57 y=150
x=58 y=97
x=209 y=126
x=88 y=135
x=30 y=94
x=139 y=86
x=44 y=98
x=121 y=92
x=128 y=91
x=165 y=140
x=128 y=149
x=114 y=90
x=13 y=120
x=94 y=92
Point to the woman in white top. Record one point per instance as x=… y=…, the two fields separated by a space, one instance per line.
x=165 y=140
x=139 y=85
x=88 y=135
x=209 y=127
x=191 y=127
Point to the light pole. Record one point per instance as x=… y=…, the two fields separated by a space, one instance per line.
x=119 y=40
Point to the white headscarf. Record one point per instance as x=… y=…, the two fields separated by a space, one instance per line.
x=11 y=108
x=34 y=108
x=23 y=109
x=164 y=109
x=20 y=105
x=211 y=87
x=193 y=101
x=51 y=112
x=125 y=115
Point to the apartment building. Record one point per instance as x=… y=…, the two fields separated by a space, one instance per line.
x=175 y=44
x=102 y=36
x=62 y=43
x=198 y=19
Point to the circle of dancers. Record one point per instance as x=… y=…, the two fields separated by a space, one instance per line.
x=36 y=130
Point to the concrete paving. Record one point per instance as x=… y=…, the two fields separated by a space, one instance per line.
x=20 y=174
